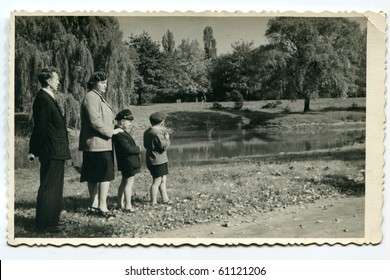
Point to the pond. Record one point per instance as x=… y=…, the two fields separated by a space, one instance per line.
x=200 y=145
x=193 y=146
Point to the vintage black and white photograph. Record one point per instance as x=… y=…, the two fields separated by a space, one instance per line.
x=196 y=128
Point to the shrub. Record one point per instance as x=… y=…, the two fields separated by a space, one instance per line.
x=217 y=105
x=273 y=104
x=145 y=98
x=287 y=109
x=238 y=105
x=238 y=100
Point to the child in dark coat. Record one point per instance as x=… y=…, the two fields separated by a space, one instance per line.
x=128 y=159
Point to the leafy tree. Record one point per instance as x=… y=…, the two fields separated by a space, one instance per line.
x=170 y=82
x=168 y=42
x=322 y=56
x=266 y=68
x=171 y=74
x=232 y=72
x=191 y=70
x=360 y=90
x=184 y=74
x=210 y=44
x=148 y=64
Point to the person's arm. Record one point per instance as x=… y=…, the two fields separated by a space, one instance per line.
x=146 y=140
x=161 y=142
x=41 y=116
x=92 y=105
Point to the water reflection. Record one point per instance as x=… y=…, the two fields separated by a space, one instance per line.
x=196 y=145
x=226 y=144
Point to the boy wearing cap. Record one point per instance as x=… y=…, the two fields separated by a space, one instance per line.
x=156 y=143
x=128 y=158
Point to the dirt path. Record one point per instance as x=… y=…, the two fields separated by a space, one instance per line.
x=330 y=218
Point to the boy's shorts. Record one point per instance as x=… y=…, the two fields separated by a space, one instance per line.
x=158 y=170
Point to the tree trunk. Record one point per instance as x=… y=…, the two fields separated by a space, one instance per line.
x=139 y=98
x=307 y=105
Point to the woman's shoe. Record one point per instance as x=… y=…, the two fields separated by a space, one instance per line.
x=106 y=214
x=92 y=211
x=131 y=210
x=52 y=229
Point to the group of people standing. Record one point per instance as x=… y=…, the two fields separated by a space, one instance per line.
x=99 y=137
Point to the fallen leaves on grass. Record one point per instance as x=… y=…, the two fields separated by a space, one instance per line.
x=201 y=194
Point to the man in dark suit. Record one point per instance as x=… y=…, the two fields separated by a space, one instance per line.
x=49 y=142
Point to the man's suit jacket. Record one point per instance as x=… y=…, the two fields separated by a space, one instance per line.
x=49 y=138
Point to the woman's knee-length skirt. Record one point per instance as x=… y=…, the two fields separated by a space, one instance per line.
x=97 y=167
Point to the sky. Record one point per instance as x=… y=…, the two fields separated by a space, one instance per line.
x=226 y=30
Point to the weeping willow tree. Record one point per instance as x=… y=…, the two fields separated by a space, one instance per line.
x=77 y=47
x=323 y=57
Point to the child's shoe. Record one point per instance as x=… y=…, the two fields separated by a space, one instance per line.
x=168 y=202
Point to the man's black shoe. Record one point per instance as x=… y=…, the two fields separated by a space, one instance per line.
x=53 y=229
